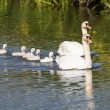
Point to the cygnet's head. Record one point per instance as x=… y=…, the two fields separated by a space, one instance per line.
x=23 y=48
x=51 y=54
x=33 y=50
x=38 y=51
x=4 y=46
x=87 y=38
x=86 y=25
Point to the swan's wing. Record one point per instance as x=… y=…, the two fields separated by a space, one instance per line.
x=74 y=48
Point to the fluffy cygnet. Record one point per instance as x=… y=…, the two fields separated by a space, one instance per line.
x=23 y=51
x=34 y=57
x=3 y=50
x=29 y=54
x=48 y=59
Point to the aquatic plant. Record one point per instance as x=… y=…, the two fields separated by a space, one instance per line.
x=56 y=3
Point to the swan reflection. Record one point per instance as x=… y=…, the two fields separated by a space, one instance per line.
x=74 y=76
x=89 y=89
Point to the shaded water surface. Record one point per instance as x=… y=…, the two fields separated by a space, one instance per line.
x=35 y=86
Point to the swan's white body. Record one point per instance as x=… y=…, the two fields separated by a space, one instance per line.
x=72 y=61
x=4 y=50
x=48 y=59
x=20 y=54
x=74 y=47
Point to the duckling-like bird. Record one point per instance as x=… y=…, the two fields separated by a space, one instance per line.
x=29 y=54
x=48 y=59
x=4 y=50
x=34 y=57
x=23 y=51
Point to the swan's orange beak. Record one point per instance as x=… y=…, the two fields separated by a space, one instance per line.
x=89 y=27
x=89 y=39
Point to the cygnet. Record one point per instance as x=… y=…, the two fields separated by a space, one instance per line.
x=3 y=50
x=23 y=51
x=34 y=57
x=29 y=54
x=48 y=59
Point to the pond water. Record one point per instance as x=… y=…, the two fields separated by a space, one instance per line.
x=28 y=85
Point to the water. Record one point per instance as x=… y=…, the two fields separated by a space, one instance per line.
x=28 y=85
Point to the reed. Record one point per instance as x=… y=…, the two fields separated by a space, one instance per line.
x=68 y=3
x=106 y=3
x=55 y=3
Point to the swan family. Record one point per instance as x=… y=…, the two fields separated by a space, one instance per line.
x=71 y=54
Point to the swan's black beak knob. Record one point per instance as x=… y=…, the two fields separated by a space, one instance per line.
x=87 y=38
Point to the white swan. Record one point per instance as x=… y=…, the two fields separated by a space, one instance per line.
x=29 y=54
x=48 y=59
x=74 y=47
x=33 y=57
x=23 y=51
x=4 y=50
x=71 y=61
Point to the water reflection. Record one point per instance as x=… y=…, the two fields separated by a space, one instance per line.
x=77 y=76
x=89 y=89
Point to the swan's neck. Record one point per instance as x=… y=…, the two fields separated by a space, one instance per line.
x=84 y=31
x=87 y=54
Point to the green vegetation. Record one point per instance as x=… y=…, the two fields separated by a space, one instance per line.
x=58 y=3
x=106 y=2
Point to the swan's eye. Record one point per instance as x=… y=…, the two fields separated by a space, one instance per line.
x=87 y=24
x=88 y=37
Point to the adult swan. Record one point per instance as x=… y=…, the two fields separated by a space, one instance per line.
x=71 y=61
x=72 y=46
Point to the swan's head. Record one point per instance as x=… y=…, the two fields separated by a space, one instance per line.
x=23 y=48
x=33 y=50
x=87 y=38
x=86 y=25
x=38 y=51
x=4 y=46
x=51 y=54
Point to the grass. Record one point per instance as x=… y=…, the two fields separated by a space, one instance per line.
x=55 y=3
